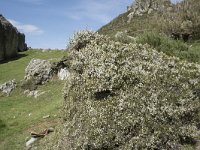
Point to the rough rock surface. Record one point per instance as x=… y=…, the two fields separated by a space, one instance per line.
x=8 y=87
x=140 y=7
x=126 y=96
x=11 y=40
x=40 y=71
x=63 y=74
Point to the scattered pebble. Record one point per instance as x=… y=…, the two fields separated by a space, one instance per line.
x=31 y=141
x=45 y=117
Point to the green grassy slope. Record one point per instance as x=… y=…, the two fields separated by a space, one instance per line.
x=137 y=26
x=181 y=18
x=162 y=25
x=19 y=115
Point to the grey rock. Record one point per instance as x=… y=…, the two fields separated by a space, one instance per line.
x=38 y=70
x=51 y=129
x=21 y=42
x=8 y=87
x=140 y=7
x=45 y=117
x=31 y=141
x=63 y=74
x=11 y=40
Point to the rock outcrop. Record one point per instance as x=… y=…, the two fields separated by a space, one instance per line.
x=8 y=87
x=11 y=40
x=144 y=6
x=140 y=7
x=40 y=71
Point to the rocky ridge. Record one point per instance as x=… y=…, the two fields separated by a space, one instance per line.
x=140 y=7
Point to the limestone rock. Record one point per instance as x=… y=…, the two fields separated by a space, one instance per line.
x=38 y=70
x=21 y=42
x=11 y=40
x=140 y=7
x=63 y=74
x=8 y=87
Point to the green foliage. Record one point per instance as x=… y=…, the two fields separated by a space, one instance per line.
x=162 y=43
x=169 y=46
x=182 y=18
x=127 y=96
x=155 y=40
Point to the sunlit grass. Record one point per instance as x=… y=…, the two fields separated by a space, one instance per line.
x=20 y=114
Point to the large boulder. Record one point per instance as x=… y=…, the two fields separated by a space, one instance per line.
x=39 y=71
x=127 y=96
x=11 y=40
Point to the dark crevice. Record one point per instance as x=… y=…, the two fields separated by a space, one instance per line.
x=103 y=94
x=196 y=92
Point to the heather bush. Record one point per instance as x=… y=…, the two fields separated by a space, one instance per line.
x=127 y=96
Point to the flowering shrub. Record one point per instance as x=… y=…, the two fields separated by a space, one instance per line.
x=128 y=96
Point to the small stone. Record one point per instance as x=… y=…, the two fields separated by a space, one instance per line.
x=8 y=87
x=63 y=74
x=31 y=141
x=45 y=117
x=51 y=129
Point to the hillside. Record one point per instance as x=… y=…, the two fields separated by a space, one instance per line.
x=133 y=85
x=127 y=90
x=174 y=29
x=179 y=19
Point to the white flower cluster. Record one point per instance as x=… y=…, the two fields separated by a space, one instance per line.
x=128 y=96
